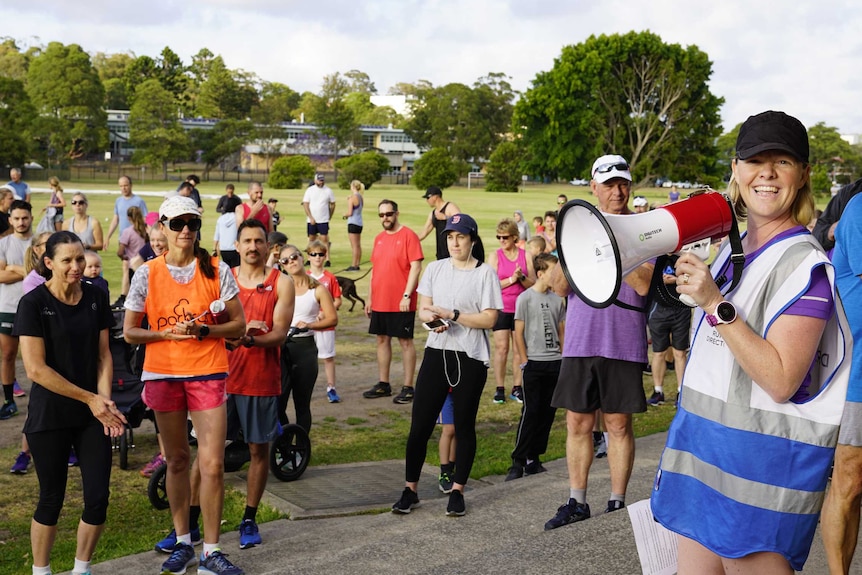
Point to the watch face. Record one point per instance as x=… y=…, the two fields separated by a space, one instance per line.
x=726 y=312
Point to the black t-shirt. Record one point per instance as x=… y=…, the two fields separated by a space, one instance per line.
x=4 y=222
x=71 y=336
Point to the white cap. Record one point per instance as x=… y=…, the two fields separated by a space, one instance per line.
x=609 y=167
x=640 y=201
x=178 y=206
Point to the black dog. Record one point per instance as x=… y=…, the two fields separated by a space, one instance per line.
x=348 y=290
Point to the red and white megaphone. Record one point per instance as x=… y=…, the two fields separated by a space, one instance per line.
x=597 y=250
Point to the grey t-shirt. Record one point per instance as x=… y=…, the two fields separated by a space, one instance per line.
x=12 y=253
x=468 y=291
x=541 y=314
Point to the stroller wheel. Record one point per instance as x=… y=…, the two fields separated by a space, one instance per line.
x=290 y=453
x=124 y=449
x=157 y=490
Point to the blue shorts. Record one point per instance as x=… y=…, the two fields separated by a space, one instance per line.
x=447 y=414
x=321 y=228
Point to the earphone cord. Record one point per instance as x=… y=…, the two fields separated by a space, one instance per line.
x=445 y=367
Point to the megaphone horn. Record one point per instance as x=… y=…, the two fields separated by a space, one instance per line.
x=597 y=250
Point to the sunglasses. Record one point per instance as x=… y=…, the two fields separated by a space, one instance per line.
x=291 y=258
x=316 y=254
x=386 y=214
x=501 y=238
x=605 y=168
x=79 y=203
x=560 y=202
x=177 y=224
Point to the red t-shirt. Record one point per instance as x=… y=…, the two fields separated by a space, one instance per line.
x=328 y=281
x=391 y=257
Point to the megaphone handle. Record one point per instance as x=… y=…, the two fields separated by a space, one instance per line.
x=687 y=300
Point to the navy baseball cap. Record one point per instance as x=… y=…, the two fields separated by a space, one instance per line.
x=461 y=223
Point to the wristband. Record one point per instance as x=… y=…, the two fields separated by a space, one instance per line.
x=249 y=342
x=455 y=314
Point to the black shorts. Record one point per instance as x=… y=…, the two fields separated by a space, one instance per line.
x=590 y=383
x=321 y=228
x=354 y=229
x=504 y=321
x=670 y=326
x=392 y=323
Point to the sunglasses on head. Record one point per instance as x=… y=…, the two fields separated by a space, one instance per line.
x=501 y=238
x=291 y=258
x=386 y=214
x=316 y=254
x=177 y=224
x=605 y=168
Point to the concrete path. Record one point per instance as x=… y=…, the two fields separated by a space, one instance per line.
x=501 y=533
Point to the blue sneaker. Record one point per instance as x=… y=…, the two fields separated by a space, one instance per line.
x=8 y=410
x=167 y=544
x=181 y=557
x=332 y=396
x=216 y=563
x=249 y=536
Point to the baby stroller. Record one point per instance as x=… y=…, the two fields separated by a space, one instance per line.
x=126 y=387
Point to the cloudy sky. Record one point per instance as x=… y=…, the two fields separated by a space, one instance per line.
x=800 y=57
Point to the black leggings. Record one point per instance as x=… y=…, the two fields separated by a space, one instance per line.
x=50 y=451
x=298 y=376
x=537 y=413
x=431 y=390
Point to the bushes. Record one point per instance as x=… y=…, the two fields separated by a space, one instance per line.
x=435 y=168
x=504 y=169
x=290 y=173
x=367 y=167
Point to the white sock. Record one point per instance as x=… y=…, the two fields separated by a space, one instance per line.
x=187 y=538
x=46 y=570
x=209 y=548
x=81 y=567
x=659 y=389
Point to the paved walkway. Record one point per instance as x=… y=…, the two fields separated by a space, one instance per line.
x=335 y=528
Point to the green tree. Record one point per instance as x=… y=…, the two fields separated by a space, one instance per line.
x=368 y=114
x=821 y=179
x=16 y=117
x=503 y=172
x=276 y=105
x=154 y=129
x=828 y=149
x=143 y=68
x=290 y=173
x=13 y=62
x=226 y=94
x=171 y=73
x=333 y=116
x=360 y=82
x=69 y=98
x=112 y=70
x=306 y=111
x=223 y=141
x=631 y=94
x=435 y=168
x=367 y=167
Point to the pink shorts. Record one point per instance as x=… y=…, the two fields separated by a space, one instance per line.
x=167 y=395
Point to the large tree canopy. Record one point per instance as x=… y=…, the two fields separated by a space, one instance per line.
x=16 y=117
x=66 y=90
x=630 y=94
x=154 y=127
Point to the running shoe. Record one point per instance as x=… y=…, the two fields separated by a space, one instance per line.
x=657 y=398
x=500 y=395
x=380 y=389
x=22 y=462
x=155 y=463
x=515 y=472
x=352 y=269
x=73 y=459
x=167 y=544
x=614 y=505
x=216 y=563
x=570 y=512
x=534 y=467
x=17 y=391
x=408 y=502
x=249 y=534
x=445 y=481
x=8 y=410
x=181 y=557
x=332 y=395
x=456 y=507
x=405 y=396
x=517 y=394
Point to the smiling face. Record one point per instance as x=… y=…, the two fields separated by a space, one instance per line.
x=613 y=195
x=67 y=265
x=768 y=183
x=158 y=240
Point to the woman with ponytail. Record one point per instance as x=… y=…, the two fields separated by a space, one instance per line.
x=190 y=300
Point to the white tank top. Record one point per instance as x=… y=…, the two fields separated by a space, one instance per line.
x=306 y=308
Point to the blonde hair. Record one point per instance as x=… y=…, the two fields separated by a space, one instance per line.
x=508 y=226
x=31 y=260
x=315 y=246
x=801 y=211
x=357 y=186
x=55 y=183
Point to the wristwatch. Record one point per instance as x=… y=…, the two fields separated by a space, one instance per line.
x=407 y=296
x=249 y=342
x=455 y=314
x=203 y=332
x=725 y=312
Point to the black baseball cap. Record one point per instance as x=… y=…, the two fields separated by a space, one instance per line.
x=432 y=191
x=772 y=131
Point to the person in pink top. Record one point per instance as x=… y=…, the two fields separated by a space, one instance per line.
x=516 y=274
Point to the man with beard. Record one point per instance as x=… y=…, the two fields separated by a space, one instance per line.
x=12 y=248
x=254 y=380
x=397 y=260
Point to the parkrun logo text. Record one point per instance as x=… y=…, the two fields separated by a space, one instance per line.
x=180 y=313
x=647 y=235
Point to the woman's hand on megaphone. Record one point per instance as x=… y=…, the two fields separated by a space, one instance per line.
x=693 y=279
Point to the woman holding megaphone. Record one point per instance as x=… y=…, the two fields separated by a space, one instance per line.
x=190 y=300
x=744 y=471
